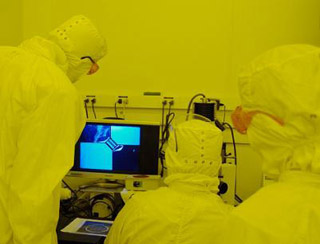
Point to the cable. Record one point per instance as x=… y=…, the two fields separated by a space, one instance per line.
x=164 y=103
x=224 y=114
x=86 y=108
x=100 y=199
x=165 y=132
x=165 y=136
x=237 y=198
x=73 y=191
x=233 y=142
x=75 y=208
x=83 y=207
x=93 y=101
x=191 y=101
x=166 y=129
x=115 y=109
x=108 y=207
x=123 y=109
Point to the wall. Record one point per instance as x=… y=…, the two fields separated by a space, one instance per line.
x=150 y=44
x=160 y=45
x=261 y=25
x=180 y=48
x=11 y=22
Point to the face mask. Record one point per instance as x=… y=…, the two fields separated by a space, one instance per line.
x=294 y=146
x=77 y=68
x=270 y=140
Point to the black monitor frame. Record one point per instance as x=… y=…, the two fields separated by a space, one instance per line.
x=148 y=155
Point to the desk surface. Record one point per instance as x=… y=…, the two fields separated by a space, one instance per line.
x=68 y=238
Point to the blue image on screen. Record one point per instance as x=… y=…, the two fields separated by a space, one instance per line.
x=95 y=156
x=109 y=147
x=126 y=135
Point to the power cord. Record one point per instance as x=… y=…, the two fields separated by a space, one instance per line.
x=161 y=152
x=73 y=191
x=191 y=101
x=169 y=118
x=106 y=199
x=81 y=206
x=237 y=198
x=93 y=101
x=86 y=101
x=233 y=142
x=164 y=103
x=165 y=136
x=115 y=109
x=224 y=113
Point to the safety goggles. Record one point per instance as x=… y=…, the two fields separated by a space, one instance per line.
x=94 y=67
x=242 y=119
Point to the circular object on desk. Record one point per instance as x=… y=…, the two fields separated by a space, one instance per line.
x=97 y=228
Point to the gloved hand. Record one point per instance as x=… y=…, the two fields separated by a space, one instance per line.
x=65 y=194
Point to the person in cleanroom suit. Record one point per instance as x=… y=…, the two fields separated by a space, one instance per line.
x=188 y=209
x=41 y=119
x=280 y=112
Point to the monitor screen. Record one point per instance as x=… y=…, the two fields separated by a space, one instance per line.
x=118 y=147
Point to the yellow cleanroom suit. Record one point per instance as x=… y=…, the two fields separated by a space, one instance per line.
x=284 y=82
x=188 y=210
x=41 y=118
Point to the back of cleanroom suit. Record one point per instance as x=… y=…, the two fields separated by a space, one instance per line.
x=188 y=210
x=41 y=119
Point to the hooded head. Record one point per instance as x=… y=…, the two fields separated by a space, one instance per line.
x=284 y=83
x=79 y=38
x=194 y=147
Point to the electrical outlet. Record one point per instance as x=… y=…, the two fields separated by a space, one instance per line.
x=168 y=100
x=91 y=98
x=123 y=100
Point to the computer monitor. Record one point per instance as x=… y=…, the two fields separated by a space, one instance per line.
x=117 y=147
